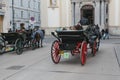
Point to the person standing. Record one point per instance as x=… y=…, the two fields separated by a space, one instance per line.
x=102 y=34
x=10 y=30
x=106 y=33
x=23 y=31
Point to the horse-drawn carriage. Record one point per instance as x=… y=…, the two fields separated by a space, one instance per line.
x=17 y=41
x=11 y=42
x=76 y=41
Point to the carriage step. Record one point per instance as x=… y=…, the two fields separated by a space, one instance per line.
x=9 y=49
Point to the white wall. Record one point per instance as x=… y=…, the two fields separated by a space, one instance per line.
x=44 y=13
x=113 y=7
x=114 y=17
x=97 y=13
x=59 y=16
x=65 y=13
x=53 y=17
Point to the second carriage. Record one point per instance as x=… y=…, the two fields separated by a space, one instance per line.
x=11 y=42
x=16 y=41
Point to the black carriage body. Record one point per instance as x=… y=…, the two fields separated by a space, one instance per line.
x=69 y=39
x=11 y=37
x=14 y=42
x=75 y=41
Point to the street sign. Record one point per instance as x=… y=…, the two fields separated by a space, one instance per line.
x=32 y=19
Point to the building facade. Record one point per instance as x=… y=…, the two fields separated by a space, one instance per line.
x=15 y=12
x=96 y=11
x=2 y=13
x=24 y=11
x=65 y=13
x=4 y=16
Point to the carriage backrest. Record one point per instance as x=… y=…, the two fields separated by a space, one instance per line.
x=72 y=36
x=11 y=37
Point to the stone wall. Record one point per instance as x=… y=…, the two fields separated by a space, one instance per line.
x=114 y=30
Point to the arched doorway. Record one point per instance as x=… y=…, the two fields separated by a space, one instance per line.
x=87 y=12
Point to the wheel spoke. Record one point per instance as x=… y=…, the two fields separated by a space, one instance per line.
x=83 y=52
x=55 y=52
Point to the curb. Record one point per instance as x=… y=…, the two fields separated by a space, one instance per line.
x=116 y=50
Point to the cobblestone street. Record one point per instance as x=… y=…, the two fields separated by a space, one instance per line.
x=37 y=64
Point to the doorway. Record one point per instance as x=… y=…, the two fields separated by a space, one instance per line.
x=87 y=12
x=1 y=23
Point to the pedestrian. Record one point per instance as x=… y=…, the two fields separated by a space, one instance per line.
x=64 y=28
x=22 y=28
x=71 y=28
x=106 y=33
x=10 y=30
x=102 y=34
x=23 y=31
x=97 y=31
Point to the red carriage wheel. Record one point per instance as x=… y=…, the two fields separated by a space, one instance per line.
x=55 y=52
x=83 y=52
x=94 y=48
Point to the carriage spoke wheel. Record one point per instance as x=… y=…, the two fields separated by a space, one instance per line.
x=55 y=52
x=94 y=48
x=83 y=52
x=19 y=46
x=2 y=47
x=97 y=44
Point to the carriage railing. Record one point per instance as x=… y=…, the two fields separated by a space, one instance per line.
x=69 y=39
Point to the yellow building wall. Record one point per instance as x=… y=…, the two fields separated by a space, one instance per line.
x=1 y=23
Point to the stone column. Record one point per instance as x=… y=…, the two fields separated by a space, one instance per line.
x=114 y=17
x=102 y=14
x=106 y=14
x=77 y=13
x=73 y=13
x=80 y=9
x=100 y=9
x=97 y=13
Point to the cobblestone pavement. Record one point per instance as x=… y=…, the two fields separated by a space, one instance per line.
x=37 y=64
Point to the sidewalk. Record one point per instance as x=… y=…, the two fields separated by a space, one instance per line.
x=117 y=53
x=114 y=37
